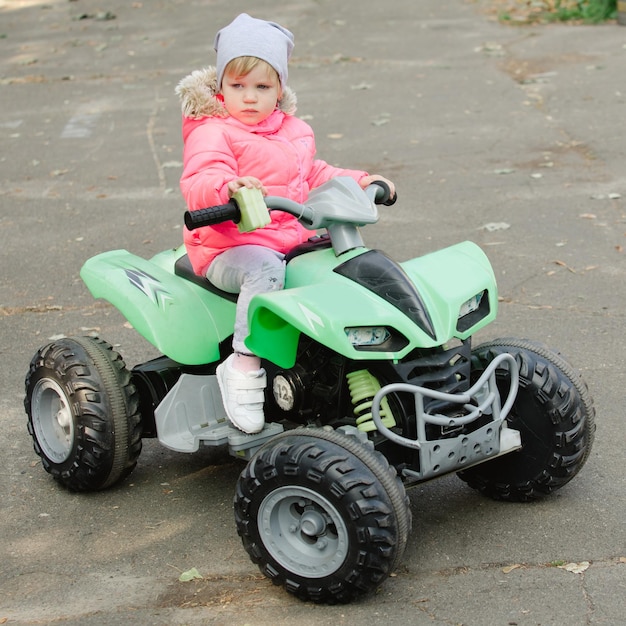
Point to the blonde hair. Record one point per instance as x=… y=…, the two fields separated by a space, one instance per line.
x=242 y=66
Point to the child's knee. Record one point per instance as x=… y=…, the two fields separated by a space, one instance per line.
x=272 y=274
x=265 y=273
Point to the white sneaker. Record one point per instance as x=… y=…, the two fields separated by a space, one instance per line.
x=242 y=394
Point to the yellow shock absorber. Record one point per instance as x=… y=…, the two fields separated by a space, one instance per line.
x=363 y=387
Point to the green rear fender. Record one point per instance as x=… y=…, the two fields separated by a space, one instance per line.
x=321 y=304
x=182 y=320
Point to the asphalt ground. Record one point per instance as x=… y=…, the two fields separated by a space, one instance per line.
x=509 y=136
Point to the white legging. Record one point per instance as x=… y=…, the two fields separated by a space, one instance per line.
x=247 y=270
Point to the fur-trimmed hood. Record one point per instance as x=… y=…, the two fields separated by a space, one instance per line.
x=198 y=91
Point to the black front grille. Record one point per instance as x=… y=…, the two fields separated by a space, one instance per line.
x=443 y=369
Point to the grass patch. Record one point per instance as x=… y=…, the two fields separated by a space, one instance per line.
x=542 y=11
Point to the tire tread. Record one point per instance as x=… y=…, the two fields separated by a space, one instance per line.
x=105 y=407
x=555 y=385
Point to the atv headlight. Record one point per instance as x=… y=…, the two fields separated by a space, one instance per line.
x=473 y=310
x=360 y=336
x=471 y=305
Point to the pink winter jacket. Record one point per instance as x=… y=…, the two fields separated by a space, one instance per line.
x=280 y=152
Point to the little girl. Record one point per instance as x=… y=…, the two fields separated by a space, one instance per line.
x=239 y=130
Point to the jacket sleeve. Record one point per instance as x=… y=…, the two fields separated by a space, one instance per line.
x=208 y=165
x=322 y=172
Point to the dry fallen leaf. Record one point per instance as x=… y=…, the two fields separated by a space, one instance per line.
x=575 y=568
x=492 y=227
x=190 y=574
x=565 y=265
x=510 y=568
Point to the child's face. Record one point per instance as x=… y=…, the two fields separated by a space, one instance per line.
x=253 y=97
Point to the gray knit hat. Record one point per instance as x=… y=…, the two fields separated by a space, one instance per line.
x=248 y=36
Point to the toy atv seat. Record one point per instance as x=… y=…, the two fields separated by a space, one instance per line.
x=183 y=268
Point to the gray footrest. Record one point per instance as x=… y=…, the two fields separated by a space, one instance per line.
x=193 y=413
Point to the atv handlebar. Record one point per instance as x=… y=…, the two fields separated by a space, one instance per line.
x=384 y=198
x=213 y=215
x=378 y=192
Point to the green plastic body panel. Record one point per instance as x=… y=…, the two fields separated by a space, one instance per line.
x=181 y=319
x=187 y=323
x=321 y=303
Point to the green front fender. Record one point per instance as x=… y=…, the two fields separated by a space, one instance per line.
x=321 y=312
x=448 y=278
x=182 y=320
x=322 y=304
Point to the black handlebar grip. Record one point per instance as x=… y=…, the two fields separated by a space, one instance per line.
x=387 y=199
x=213 y=215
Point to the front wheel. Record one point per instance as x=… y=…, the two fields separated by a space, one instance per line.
x=554 y=414
x=322 y=515
x=83 y=413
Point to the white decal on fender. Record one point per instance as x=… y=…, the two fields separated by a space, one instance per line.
x=311 y=318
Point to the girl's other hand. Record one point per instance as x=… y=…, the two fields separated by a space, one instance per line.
x=366 y=181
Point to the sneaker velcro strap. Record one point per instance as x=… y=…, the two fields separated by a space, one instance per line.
x=243 y=384
x=250 y=397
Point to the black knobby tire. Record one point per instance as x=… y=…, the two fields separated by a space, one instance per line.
x=322 y=515
x=555 y=415
x=83 y=413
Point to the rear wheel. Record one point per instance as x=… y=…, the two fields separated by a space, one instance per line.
x=322 y=515
x=83 y=413
x=555 y=415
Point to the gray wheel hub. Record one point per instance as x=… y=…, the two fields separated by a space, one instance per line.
x=52 y=420
x=303 y=531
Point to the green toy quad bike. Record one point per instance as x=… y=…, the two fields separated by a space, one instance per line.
x=373 y=386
